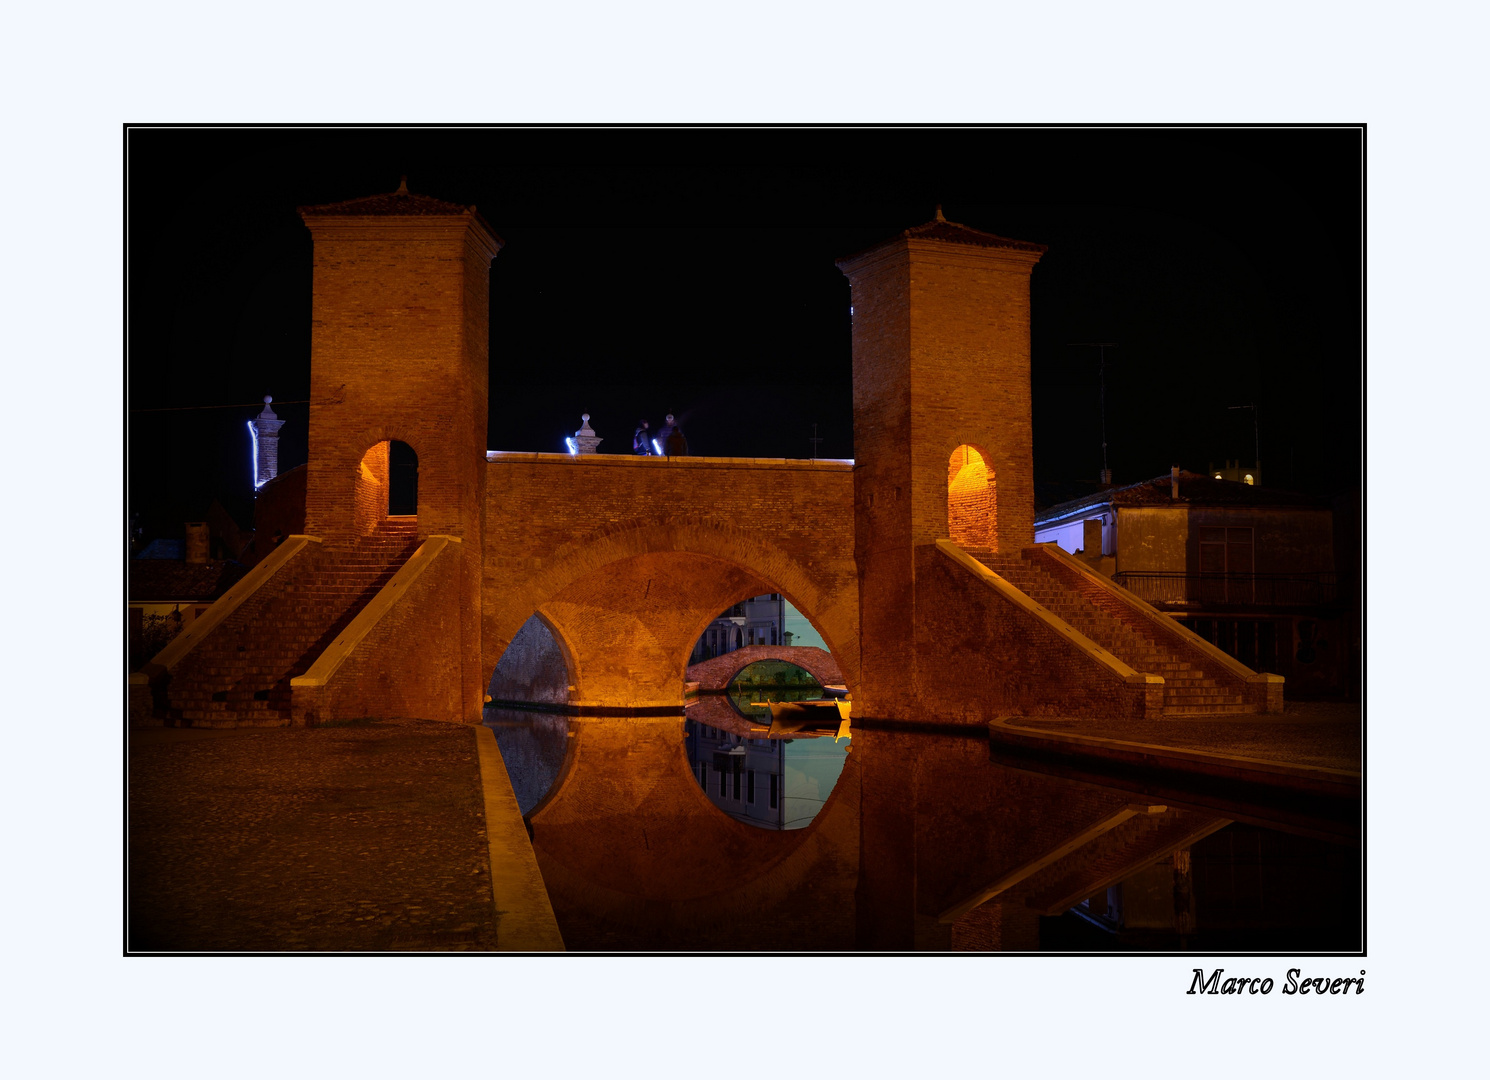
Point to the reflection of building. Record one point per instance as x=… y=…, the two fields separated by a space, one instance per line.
x=1250 y=569
x=761 y=620
x=744 y=777
x=769 y=783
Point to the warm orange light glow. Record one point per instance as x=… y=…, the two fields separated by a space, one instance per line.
x=370 y=488
x=972 y=500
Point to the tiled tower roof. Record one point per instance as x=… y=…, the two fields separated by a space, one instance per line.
x=400 y=203
x=939 y=228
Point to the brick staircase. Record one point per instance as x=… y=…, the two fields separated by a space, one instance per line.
x=1187 y=689
x=239 y=676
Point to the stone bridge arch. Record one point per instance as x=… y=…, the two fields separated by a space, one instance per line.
x=629 y=600
x=717 y=673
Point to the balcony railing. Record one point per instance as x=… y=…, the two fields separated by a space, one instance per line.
x=1251 y=590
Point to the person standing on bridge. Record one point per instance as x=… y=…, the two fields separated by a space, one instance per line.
x=641 y=442
x=671 y=438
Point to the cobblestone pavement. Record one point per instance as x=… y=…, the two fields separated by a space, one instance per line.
x=1315 y=733
x=365 y=837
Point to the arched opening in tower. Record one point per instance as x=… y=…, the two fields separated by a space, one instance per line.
x=972 y=500
x=386 y=484
x=403 y=479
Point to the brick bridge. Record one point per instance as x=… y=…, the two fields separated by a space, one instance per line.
x=716 y=673
x=915 y=561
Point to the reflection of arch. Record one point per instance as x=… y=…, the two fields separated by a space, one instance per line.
x=632 y=600
x=972 y=500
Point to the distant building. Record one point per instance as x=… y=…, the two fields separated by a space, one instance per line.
x=1250 y=569
x=745 y=777
x=1236 y=471
x=167 y=593
x=761 y=620
x=769 y=783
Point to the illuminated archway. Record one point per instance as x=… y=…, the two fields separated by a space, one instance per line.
x=386 y=485
x=972 y=500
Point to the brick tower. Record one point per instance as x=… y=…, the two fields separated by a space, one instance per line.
x=941 y=353
x=399 y=352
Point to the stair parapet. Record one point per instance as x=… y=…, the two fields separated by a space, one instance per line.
x=1148 y=688
x=314 y=695
x=1261 y=691
x=284 y=562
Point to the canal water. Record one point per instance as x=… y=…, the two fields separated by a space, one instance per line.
x=708 y=831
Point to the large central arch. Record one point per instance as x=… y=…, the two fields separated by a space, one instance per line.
x=628 y=602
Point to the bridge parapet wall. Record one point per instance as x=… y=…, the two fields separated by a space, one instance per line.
x=557 y=526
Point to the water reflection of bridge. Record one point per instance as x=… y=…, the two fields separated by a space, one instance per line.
x=929 y=840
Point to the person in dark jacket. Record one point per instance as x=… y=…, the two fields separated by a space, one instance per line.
x=641 y=442
x=671 y=438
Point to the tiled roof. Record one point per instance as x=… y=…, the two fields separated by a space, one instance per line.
x=394 y=203
x=941 y=229
x=400 y=203
x=167 y=580
x=1196 y=489
x=1052 y=493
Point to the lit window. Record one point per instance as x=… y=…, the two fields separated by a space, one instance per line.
x=1247 y=478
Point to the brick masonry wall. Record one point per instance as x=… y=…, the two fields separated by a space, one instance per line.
x=979 y=656
x=255 y=617
x=370 y=489
x=408 y=665
x=941 y=360
x=631 y=558
x=972 y=501
x=399 y=329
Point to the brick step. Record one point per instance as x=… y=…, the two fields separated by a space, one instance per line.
x=289 y=633
x=1186 y=687
x=1171 y=710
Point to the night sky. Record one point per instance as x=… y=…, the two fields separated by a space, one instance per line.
x=692 y=271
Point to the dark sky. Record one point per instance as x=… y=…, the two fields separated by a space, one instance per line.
x=692 y=271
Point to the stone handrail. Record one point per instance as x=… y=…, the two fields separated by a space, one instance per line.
x=1262 y=689
x=345 y=644
x=1096 y=653
x=225 y=607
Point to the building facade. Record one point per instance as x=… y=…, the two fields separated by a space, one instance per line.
x=761 y=620
x=1250 y=569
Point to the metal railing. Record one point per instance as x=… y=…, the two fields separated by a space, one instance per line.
x=1163 y=589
